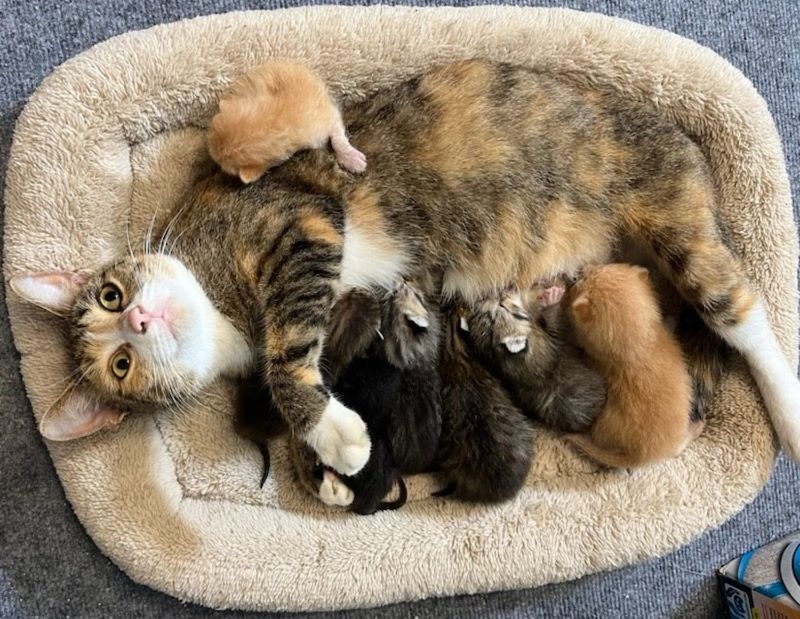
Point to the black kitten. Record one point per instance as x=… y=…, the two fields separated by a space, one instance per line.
x=487 y=443
x=392 y=382
x=527 y=346
x=256 y=417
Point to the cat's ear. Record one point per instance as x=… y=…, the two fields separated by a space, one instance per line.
x=76 y=414
x=642 y=273
x=54 y=291
x=582 y=308
x=250 y=173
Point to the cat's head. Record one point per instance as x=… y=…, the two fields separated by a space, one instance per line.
x=143 y=335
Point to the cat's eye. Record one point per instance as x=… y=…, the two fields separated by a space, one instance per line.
x=120 y=364
x=110 y=297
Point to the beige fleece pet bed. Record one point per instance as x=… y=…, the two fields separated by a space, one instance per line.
x=116 y=134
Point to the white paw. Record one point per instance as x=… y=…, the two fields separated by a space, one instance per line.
x=332 y=491
x=515 y=343
x=340 y=439
x=352 y=159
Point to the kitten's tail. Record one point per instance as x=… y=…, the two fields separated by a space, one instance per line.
x=607 y=456
x=399 y=501
x=705 y=353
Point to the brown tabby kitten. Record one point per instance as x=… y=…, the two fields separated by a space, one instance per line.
x=487 y=443
x=528 y=346
x=487 y=174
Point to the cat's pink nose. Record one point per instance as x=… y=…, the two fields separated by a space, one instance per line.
x=138 y=319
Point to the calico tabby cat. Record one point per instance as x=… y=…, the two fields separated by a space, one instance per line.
x=528 y=346
x=486 y=174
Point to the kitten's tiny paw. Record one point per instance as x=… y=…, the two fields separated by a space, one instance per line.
x=333 y=491
x=340 y=439
x=550 y=296
x=515 y=343
x=352 y=159
x=411 y=306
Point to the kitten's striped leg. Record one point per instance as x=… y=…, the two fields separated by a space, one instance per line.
x=299 y=293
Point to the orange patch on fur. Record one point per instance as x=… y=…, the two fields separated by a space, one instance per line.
x=247 y=264
x=463 y=142
x=319 y=228
x=306 y=375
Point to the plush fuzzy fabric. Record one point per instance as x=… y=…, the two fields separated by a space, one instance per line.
x=114 y=135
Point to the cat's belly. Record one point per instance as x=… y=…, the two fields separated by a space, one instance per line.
x=371 y=259
x=566 y=242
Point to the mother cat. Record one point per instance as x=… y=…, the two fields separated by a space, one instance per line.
x=483 y=174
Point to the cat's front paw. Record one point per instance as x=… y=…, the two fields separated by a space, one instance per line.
x=333 y=491
x=340 y=439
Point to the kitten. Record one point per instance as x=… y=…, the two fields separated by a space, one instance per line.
x=616 y=319
x=527 y=345
x=256 y=418
x=270 y=113
x=546 y=176
x=393 y=384
x=487 y=443
x=381 y=358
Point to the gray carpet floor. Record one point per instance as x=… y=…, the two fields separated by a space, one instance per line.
x=48 y=565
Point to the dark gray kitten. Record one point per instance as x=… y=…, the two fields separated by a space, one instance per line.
x=487 y=443
x=527 y=346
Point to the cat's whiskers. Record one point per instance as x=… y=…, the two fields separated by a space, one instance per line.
x=168 y=230
x=64 y=379
x=128 y=237
x=148 y=239
x=70 y=386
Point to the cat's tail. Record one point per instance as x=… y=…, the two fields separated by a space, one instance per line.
x=706 y=354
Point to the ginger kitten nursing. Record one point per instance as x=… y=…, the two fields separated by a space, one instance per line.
x=270 y=113
x=615 y=316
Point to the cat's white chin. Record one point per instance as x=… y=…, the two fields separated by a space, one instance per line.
x=196 y=338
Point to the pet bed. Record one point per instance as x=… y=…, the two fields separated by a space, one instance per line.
x=114 y=136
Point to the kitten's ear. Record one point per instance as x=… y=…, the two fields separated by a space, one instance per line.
x=642 y=273
x=52 y=290
x=250 y=173
x=76 y=414
x=581 y=308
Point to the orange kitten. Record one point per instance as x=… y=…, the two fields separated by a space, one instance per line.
x=270 y=113
x=616 y=319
